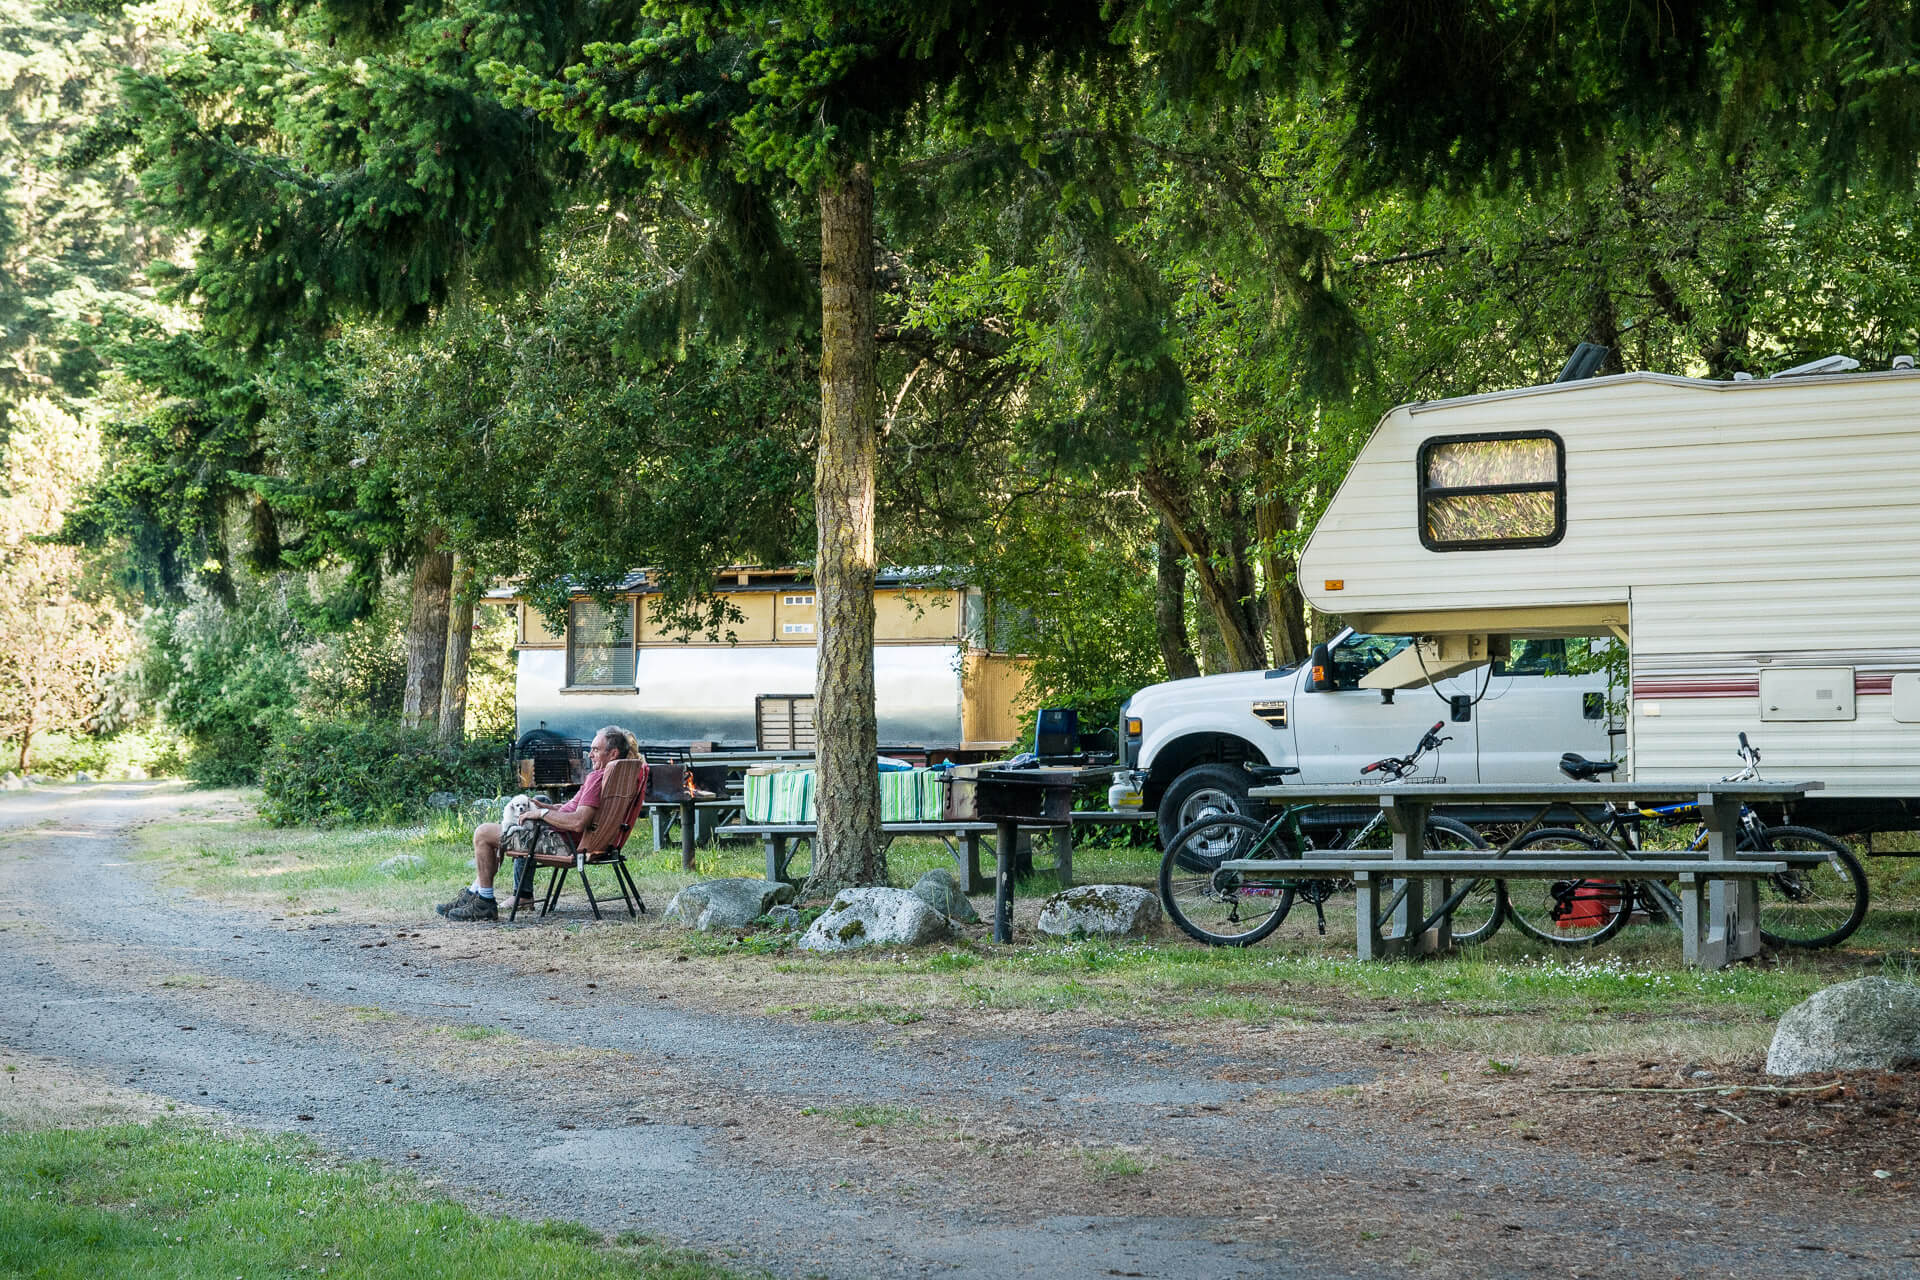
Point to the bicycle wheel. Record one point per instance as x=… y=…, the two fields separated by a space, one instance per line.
x=1223 y=908
x=1478 y=914
x=1570 y=912
x=1816 y=906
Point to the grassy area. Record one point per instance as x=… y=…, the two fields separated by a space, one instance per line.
x=1512 y=995
x=173 y=1199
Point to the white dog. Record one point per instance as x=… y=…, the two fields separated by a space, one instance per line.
x=516 y=811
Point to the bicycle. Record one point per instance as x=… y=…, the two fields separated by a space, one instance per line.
x=1818 y=904
x=1239 y=907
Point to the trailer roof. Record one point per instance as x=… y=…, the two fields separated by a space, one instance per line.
x=1659 y=379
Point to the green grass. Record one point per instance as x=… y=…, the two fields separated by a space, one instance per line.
x=1114 y=1163
x=1510 y=996
x=174 y=1200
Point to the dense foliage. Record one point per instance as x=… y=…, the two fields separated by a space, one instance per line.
x=329 y=772
x=543 y=291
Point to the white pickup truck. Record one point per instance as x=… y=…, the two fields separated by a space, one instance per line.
x=1183 y=743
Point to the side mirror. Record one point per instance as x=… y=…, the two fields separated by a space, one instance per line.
x=1319 y=671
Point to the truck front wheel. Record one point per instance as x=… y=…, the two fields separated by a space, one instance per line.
x=1203 y=789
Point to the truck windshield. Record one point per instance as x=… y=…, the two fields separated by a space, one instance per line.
x=1358 y=654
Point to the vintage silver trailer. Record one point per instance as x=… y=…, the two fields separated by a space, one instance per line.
x=937 y=684
x=1756 y=542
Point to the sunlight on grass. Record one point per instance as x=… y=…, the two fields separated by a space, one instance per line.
x=172 y=1199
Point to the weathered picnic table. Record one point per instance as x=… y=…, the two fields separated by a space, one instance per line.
x=1393 y=891
x=963 y=840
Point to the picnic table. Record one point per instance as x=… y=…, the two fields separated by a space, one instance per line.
x=1393 y=891
x=962 y=838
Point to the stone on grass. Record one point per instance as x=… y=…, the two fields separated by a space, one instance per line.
x=83 y=776
x=783 y=917
x=941 y=891
x=13 y=782
x=1120 y=910
x=402 y=864
x=875 y=918
x=726 y=904
x=1866 y=1023
x=442 y=800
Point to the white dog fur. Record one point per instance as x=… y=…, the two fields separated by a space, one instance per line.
x=516 y=811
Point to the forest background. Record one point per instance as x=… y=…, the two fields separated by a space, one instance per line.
x=316 y=319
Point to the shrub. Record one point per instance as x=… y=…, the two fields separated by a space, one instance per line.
x=330 y=772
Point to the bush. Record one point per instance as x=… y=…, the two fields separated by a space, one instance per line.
x=332 y=772
x=132 y=753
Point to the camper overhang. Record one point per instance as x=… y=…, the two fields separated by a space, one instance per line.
x=1449 y=642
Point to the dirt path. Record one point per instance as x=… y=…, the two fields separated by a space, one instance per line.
x=1076 y=1151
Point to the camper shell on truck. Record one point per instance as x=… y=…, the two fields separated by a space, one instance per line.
x=1755 y=542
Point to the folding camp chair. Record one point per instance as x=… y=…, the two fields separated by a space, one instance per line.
x=600 y=845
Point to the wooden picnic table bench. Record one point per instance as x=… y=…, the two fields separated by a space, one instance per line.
x=963 y=840
x=1727 y=929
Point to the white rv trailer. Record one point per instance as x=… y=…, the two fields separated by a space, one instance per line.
x=1757 y=542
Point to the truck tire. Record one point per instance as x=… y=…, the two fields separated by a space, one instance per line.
x=1203 y=789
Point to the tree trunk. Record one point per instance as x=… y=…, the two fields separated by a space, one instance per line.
x=427 y=635
x=1170 y=608
x=453 y=679
x=1286 y=609
x=847 y=848
x=1223 y=593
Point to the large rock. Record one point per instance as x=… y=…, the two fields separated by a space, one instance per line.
x=875 y=918
x=1106 y=909
x=939 y=890
x=402 y=864
x=1869 y=1022
x=726 y=904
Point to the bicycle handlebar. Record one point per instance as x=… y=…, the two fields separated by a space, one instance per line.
x=1400 y=766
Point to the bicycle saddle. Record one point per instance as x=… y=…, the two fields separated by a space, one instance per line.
x=1581 y=769
x=1271 y=772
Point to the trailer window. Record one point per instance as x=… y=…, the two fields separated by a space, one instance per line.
x=1493 y=491
x=600 y=645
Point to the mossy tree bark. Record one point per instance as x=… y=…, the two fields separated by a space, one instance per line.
x=848 y=848
x=1170 y=608
x=453 y=679
x=427 y=635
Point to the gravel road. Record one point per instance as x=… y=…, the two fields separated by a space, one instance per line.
x=813 y=1149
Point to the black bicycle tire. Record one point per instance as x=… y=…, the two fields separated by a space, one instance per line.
x=1519 y=914
x=1170 y=900
x=1851 y=868
x=1473 y=937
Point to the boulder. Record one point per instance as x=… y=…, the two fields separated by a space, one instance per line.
x=783 y=917
x=939 y=890
x=875 y=918
x=13 y=782
x=442 y=800
x=83 y=776
x=1866 y=1023
x=402 y=864
x=726 y=904
x=1104 y=909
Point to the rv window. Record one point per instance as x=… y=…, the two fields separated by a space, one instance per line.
x=1534 y=658
x=600 y=645
x=1493 y=491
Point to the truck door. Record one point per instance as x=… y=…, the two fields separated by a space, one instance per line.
x=1338 y=730
x=1534 y=711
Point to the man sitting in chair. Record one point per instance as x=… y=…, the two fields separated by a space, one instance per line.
x=476 y=901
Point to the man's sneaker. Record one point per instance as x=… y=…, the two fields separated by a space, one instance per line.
x=474 y=908
x=466 y=896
